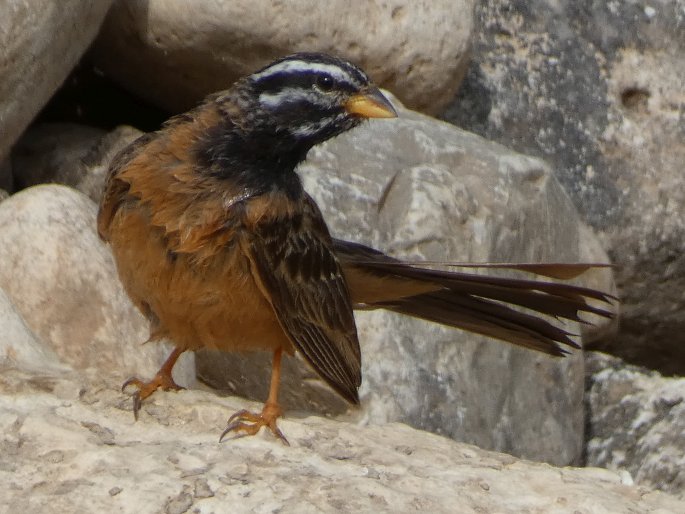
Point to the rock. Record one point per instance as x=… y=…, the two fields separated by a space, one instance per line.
x=172 y=53
x=636 y=421
x=6 y=182
x=62 y=280
x=3 y=195
x=69 y=447
x=40 y=42
x=18 y=346
x=425 y=190
x=596 y=90
x=70 y=154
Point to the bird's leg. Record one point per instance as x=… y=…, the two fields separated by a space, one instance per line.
x=162 y=380
x=246 y=423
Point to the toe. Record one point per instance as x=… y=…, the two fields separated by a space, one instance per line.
x=244 y=423
x=134 y=381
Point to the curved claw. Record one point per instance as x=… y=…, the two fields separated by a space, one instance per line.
x=132 y=381
x=145 y=389
x=245 y=423
x=137 y=402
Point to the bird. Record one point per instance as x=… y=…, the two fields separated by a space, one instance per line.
x=220 y=247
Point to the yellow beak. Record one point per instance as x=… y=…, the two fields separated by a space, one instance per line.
x=370 y=104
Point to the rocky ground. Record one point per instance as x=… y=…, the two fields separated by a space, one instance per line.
x=70 y=445
x=592 y=93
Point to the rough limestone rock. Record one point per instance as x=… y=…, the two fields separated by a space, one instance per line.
x=40 y=42
x=596 y=89
x=61 y=279
x=69 y=445
x=70 y=154
x=174 y=52
x=18 y=346
x=636 y=421
x=422 y=189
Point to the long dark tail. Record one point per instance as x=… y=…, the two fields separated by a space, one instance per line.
x=472 y=302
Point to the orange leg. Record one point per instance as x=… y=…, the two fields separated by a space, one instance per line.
x=162 y=380
x=247 y=423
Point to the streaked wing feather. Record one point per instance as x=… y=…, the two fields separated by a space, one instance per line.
x=308 y=292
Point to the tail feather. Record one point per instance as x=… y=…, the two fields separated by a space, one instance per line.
x=483 y=304
x=486 y=318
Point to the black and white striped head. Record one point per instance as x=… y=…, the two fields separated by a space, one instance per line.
x=311 y=97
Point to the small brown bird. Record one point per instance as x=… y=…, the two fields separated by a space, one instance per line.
x=220 y=247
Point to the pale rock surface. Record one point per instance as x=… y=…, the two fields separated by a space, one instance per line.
x=70 y=154
x=596 y=89
x=69 y=444
x=174 y=52
x=636 y=421
x=40 y=42
x=422 y=189
x=18 y=346
x=62 y=280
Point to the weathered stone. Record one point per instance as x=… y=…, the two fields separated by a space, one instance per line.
x=173 y=53
x=18 y=346
x=68 y=446
x=40 y=42
x=636 y=421
x=62 y=280
x=423 y=189
x=595 y=88
x=70 y=154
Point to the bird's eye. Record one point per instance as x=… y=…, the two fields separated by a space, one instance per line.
x=324 y=82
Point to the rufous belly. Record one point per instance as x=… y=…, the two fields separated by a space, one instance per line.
x=214 y=304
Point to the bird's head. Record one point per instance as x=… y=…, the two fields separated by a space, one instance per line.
x=308 y=98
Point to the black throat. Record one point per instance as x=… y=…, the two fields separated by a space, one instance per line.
x=257 y=161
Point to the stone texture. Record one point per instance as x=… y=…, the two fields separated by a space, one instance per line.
x=423 y=189
x=62 y=280
x=172 y=54
x=18 y=346
x=70 y=154
x=67 y=446
x=636 y=421
x=40 y=42
x=595 y=88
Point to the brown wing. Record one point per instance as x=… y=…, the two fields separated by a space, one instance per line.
x=302 y=278
x=115 y=190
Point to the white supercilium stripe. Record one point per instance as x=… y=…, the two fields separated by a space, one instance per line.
x=286 y=66
x=290 y=94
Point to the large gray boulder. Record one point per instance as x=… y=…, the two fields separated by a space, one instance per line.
x=422 y=189
x=636 y=422
x=68 y=446
x=596 y=89
x=40 y=42
x=174 y=52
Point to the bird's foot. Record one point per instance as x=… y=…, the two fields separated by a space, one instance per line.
x=245 y=423
x=162 y=381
